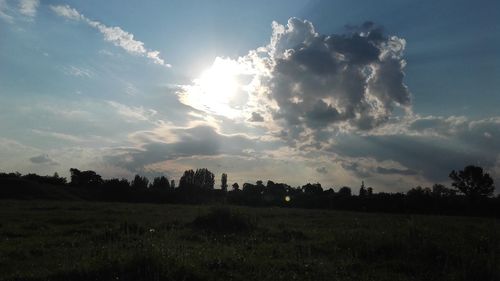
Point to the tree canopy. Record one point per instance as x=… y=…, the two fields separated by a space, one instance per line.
x=473 y=182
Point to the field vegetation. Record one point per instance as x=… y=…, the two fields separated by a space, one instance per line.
x=76 y=240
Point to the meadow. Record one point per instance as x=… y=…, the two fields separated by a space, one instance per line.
x=77 y=240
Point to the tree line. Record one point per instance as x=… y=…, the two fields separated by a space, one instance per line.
x=471 y=192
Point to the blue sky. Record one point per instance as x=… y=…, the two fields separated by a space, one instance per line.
x=396 y=93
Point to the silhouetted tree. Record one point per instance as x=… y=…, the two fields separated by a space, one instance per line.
x=202 y=178
x=236 y=186
x=116 y=184
x=85 y=178
x=418 y=192
x=275 y=191
x=344 y=191
x=248 y=187
x=439 y=191
x=473 y=182
x=187 y=179
x=314 y=188
x=223 y=182
x=54 y=180
x=362 y=190
x=369 y=191
x=205 y=179
x=172 y=184
x=160 y=183
x=140 y=182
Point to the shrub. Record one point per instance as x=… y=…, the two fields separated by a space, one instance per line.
x=223 y=220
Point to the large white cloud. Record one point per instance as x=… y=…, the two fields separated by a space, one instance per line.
x=307 y=85
x=353 y=79
x=113 y=34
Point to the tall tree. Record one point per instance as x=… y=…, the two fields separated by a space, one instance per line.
x=223 y=182
x=362 y=190
x=473 y=182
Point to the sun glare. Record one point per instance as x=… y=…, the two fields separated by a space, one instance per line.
x=219 y=81
x=216 y=87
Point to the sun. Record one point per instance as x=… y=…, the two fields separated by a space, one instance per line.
x=215 y=89
x=219 y=81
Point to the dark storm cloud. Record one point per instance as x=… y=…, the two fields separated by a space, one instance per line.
x=318 y=80
x=43 y=159
x=447 y=144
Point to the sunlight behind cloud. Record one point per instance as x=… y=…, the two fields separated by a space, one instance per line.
x=217 y=88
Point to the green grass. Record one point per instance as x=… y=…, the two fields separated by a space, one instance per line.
x=114 y=241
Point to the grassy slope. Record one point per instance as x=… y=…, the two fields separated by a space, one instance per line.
x=114 y=241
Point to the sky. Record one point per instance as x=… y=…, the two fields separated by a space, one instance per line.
x=393 y=93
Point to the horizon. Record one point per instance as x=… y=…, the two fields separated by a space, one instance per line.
x=393 y=94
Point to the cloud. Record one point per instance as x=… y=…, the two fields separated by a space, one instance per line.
x=317 y=81
x=430 y=146
x=78 y=71
x=310 y=86
x=28 y=7
x=113 y=34
x=132 y=113
x=43 y=159
x=59 y=136
x=197 y=141
x=67 y=12
x=382 y=170
x=256 y=117
x=322 y=170
x=4 y=11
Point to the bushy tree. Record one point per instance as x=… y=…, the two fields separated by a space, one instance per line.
x=202 y=178
x=85 y=178
x=312 y=188
x=140 y=182
x=344 y=191
x=187 y=179
x=418 y=192
x=473 y=182
x=160 y=183
x=116 y=184
x=440 y=191
x=369 y=191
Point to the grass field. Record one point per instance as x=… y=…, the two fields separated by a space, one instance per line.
x=114 y=241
